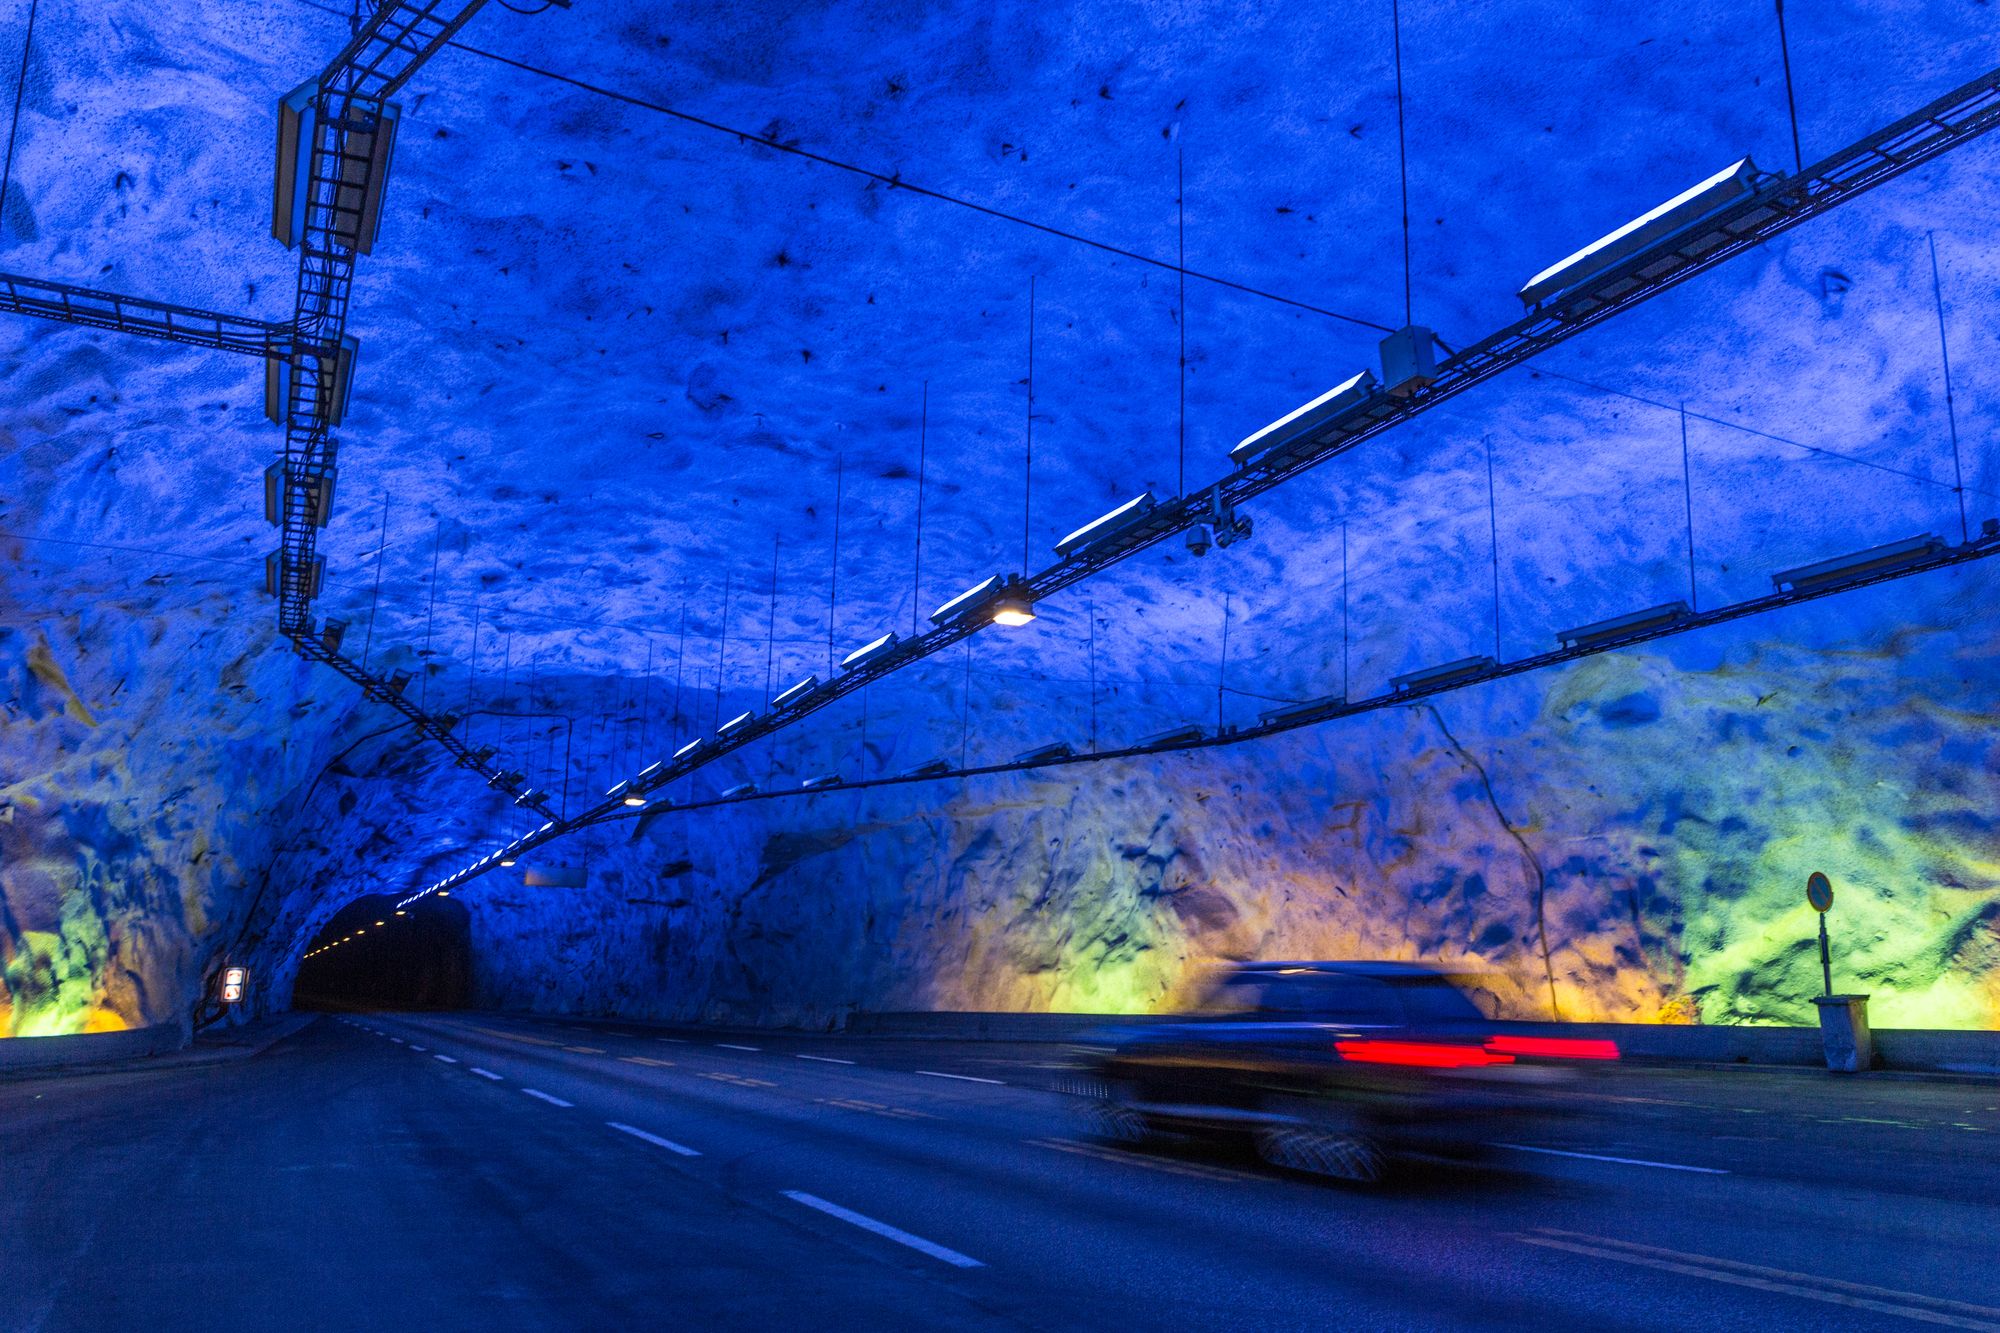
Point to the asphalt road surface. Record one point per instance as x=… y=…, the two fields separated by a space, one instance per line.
x=434 y=1172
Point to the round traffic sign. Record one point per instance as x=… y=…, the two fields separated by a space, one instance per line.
x=1819 y=891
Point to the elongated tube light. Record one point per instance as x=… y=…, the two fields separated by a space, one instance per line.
x=1119 y=519
x=869 y=652
x=1641 y=233
x=796 y=693
x=1341 y=398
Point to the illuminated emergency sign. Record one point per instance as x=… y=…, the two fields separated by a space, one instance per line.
x=233 y=981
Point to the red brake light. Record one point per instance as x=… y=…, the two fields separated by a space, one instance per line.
x=1420 y=1054
x=1554 y=1048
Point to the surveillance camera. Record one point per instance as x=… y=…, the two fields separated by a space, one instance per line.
x=1198 y=539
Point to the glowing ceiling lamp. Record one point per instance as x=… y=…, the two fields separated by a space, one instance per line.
x=1110 y=525
x=872 y=651
x=796 y=693
x=1303 y=421
x=1725 y=187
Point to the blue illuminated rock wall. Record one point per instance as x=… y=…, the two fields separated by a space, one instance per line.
x=610 y=360
x=1657 y=811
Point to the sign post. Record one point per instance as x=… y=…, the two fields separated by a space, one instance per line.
x=1843 y=1019
x=1819 y=892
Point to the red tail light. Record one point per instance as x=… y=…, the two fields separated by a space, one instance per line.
x=1554 y=1048
x=1420 y=1054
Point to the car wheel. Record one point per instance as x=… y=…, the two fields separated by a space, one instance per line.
x=1351 y=1157
x=1119 y=1124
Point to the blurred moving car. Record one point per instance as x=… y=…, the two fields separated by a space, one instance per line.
x=1336 y=1068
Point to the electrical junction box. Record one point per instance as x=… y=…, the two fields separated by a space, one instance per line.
x=1409 y=360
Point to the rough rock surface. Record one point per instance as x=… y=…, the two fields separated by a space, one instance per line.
x=611 y=356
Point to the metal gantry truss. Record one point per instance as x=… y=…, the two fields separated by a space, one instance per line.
x=349 y=105
x=147 y=319
x=1781 y=203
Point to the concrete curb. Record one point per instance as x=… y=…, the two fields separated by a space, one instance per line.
x=164 y=1046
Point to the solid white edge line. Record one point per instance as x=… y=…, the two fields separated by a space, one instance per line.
x=728 y=1046
x=653 y=1139
x=825 y=1059
x=1621 y=1161
x=486 y=1073
x=962 y=1078
x=447 y=1059
x=539 y=1095
x=884 y=1230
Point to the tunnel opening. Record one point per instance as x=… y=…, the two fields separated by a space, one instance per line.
x=375 y=955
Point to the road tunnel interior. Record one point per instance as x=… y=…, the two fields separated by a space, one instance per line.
x=375 y=955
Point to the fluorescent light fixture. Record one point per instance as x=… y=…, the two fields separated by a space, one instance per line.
x=1059 y=750
x=1178 y=736
x=1013 y=611
x=796 y=692
x=1440 y=675
x=619 y=790
x=740 y=789
x=1327 y=703
x=648 y=773
x=1302 y=421
x=935 y=768
x=1113 y=523
x=690 y=748
x=869 y=652
x=1874 y=560
x=1641 y=233
x=737 y=723
x=824 y=780
x=528 y=797
x=965 y=601
x=1636 y=622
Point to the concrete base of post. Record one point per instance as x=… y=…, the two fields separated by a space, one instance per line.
x=1843 y=1028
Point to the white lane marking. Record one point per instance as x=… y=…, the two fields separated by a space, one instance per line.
x=486 y=1073
x=398 y=1040
x=538 y=1094
x=654 y=1139
x=447 y=1059
x=730 y=1046
x=825 y=1059
x=678 y=1041
x=1621 y=1161
x=884 y=1230
x=415 y=1047
x=962 y=1078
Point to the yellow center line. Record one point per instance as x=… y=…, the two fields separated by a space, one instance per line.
x=1829 y=1291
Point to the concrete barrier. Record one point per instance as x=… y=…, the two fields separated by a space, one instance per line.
x=89 y=1048
x=1913 y=1049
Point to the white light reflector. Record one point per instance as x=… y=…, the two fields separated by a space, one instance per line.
x=869 y=652
x=1119 y=519
x=1342 y=397
x=1690 y=205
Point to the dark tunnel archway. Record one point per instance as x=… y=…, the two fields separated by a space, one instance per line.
x=374 y=955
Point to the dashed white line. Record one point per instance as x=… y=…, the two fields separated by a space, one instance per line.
x=415 y=1047
x=398 y=1040
x=1621 y=1161
x=447 y=1059
x=826 y=1059
x=678 y=1041
x=884 y=1230
x=653 y=1139
x=486 y=1073
x=731 y=1046
x=962 y=1078
x=539 y=1095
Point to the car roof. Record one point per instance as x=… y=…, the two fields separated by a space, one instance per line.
x=1385 y=971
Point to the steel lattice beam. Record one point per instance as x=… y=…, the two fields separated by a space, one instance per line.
x=136 y=315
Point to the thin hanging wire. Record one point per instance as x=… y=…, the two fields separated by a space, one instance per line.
x=771 y=633
x=1493 y=537
x=1791 y=103
x=1950 y=407
x=722 y=646
x=1180 y=205
x=1402 y=154
x=917 y=574
x=1687 y=499
x=833 y=568
x=375 y=598
x=1028 y=455
x=20 y=87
